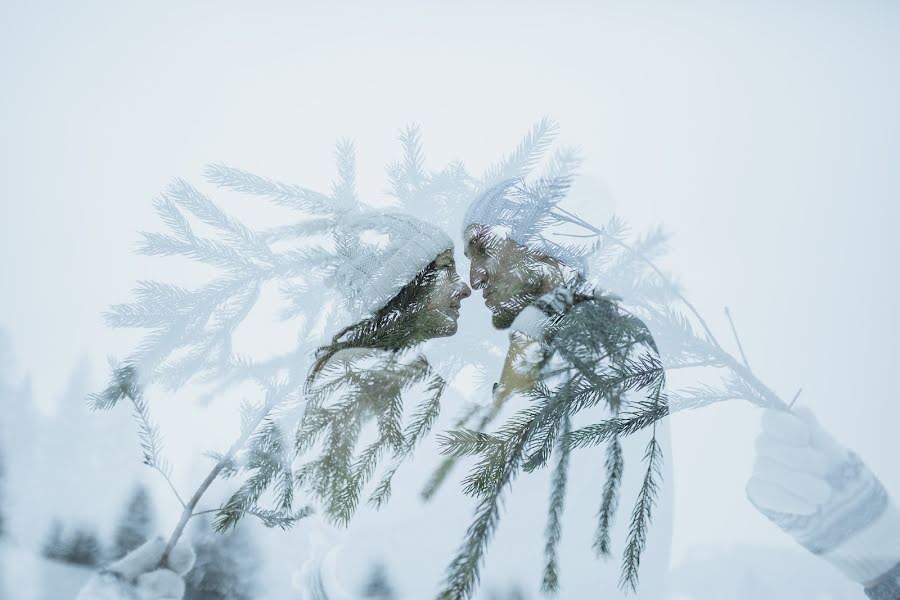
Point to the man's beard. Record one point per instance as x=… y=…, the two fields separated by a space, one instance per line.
x=503 y=315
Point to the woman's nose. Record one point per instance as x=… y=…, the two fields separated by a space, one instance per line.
x=463 y=291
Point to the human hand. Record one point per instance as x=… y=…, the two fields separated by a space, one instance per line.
x=823 y=495
x=521 y=368
x=138 y=576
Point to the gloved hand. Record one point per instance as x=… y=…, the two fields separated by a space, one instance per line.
x=823 y=495
x=318 y=577
x=137 y=575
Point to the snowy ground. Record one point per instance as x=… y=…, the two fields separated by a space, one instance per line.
x=26 y=576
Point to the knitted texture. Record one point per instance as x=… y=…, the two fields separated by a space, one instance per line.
x=858 y=508
x=369 y=273
x=887 y=587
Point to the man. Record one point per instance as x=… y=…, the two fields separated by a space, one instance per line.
x=573 y=353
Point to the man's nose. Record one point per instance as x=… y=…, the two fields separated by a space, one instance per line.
x=463 y=291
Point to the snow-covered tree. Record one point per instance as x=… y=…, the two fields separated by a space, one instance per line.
x=227 y=565
x=378 y=585
x=54 y=545
x=83 y=548
x=136 y=525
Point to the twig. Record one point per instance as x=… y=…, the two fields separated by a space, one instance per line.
x=578 y=220
x=188 y=511
x=797 y=395
x=737 y=338
x=727 y=359
x=205 y=512
x=171 y=485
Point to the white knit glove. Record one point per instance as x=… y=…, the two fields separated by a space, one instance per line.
x=137 y=575
x=823 y=495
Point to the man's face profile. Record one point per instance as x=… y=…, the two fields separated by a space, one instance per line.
x=507 y=273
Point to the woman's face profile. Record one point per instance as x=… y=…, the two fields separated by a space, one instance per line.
x=446 y=293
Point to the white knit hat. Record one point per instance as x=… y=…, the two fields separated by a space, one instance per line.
x=370 y=270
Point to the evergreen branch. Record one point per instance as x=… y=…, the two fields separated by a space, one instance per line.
x=467 y=442
x=344 y=189
x=465 y=569
x=550 y=584
x=125 y=385
x=230 y=467
x=563 y=164
x=737 y=338
x=420 y=424
x=151 y=443
x=122 y=385
x=209 y=251
x=270 y=518
x=526 y=155
x=437 y=478
x=617 y=427
x=278 y=518
x=641 y=516
x=615 y=465
x=440 y=474
x=425 y=415
x=207 y=211
x=649 y=263
x=309 y=227
x=172 y=217
x=382 y=492
x=275 y=395
x=287 y=195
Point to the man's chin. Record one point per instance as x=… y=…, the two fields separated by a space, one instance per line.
x=502 y=319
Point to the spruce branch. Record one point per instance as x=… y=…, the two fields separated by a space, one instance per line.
x=737 y=338
x=606 y=514
x=550 y=584
x=640 y=517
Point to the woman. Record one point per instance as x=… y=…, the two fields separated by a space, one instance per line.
x=397 y=280
x=401 y=291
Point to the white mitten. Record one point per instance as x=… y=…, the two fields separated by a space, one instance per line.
x=824 y=496
x=137 y=575
x=318 y=577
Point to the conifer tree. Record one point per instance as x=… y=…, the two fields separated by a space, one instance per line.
x=378 y=585
x=54 y=544
x=80 y=546
x=83 y=547
x=227 y=565
x=136 y=525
